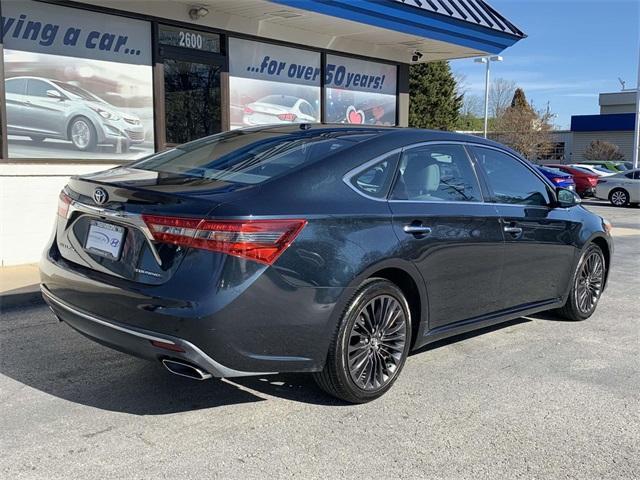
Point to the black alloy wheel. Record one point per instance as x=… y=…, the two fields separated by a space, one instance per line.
x=371 y=344
x=588 y=283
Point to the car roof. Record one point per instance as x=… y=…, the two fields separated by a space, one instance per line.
x=401 y=135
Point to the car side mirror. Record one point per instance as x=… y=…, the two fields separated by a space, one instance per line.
x=567 y=198
x=55 y=94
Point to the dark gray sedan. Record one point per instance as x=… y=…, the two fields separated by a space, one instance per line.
x=312 y=248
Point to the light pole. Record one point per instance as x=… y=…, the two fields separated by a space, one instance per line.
x=636 y=134
x=487 y=61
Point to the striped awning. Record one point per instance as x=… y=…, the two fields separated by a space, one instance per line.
x=473 y=11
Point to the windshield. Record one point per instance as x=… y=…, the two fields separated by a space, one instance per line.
x=251 y=157
x=77 y=92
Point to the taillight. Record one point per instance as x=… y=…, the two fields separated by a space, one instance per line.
x=64 y=201
x=248 y=110
x=259 y=240
x=287 y=117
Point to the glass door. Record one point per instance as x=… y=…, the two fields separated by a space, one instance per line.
x=192 y=100
x=192 y=64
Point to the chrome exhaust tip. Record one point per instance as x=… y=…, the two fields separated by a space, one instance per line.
x=185 y=369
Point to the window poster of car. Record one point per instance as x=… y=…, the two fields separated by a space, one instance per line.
x=272 y=84
x=359 y=91
x=78 y=84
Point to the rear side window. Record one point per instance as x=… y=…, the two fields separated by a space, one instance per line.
x=376 y=180
x=252 y=157
x=15 y=85
x=437 y=173
x=510 y=180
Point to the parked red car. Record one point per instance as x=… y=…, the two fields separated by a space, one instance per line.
x=585 y=181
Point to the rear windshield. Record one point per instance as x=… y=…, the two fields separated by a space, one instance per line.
x=251 y=157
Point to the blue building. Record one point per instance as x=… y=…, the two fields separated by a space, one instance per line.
x=614 y=124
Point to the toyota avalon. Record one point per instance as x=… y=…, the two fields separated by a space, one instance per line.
x=333 y=250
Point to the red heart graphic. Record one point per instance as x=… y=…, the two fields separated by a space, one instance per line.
x=355 y=116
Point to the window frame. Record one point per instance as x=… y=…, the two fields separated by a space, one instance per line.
x=485 y=189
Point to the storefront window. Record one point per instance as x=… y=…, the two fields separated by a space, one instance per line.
x=78 y=84
x=272 y=84
x=359 y=91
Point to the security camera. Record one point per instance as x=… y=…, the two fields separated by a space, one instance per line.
x=195 y=13
x=416 y=56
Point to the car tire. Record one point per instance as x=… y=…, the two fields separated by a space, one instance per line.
x=370 y=344
x=83 y=134
x=619 y=197
x=586 y=285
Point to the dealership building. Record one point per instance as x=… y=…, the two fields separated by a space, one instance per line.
x=93 y=84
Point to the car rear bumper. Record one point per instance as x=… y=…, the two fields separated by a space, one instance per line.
x=135 y=341
x=261 y=325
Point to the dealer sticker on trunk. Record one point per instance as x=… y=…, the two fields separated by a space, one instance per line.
x=104 y=239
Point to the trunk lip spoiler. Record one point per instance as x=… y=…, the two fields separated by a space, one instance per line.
x=131 y=219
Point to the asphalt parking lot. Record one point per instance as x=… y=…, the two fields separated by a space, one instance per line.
x=535 y=398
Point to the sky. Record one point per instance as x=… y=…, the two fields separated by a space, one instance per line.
x=574 y=50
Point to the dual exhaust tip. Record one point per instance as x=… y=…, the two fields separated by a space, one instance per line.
x=185 y=369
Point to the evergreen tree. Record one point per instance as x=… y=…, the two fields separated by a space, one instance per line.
x=520 y=100
x=434 y=101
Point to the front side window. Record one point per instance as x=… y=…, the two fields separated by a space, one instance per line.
x=437 y=173
x=510 y=180
x=38 y=88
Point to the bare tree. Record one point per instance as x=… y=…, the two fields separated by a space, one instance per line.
x=461 y=83
x=501 y=93
x=525 y=129
x=601 y=150
x=472 y=106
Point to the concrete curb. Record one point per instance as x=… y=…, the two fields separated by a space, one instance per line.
x=21 y=297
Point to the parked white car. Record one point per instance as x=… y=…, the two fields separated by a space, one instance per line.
x=278 y=109
x=620 y=189
x=600 y=171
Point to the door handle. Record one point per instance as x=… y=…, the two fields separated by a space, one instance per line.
x=414 y=229
x=515 y=231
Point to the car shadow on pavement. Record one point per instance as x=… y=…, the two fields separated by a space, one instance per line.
x=465 y=336
x=58 y=361
x=54 y=359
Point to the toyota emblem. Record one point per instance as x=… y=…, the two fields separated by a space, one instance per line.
x=100 y=196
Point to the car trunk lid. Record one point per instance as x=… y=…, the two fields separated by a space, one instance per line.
x=100 y=220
